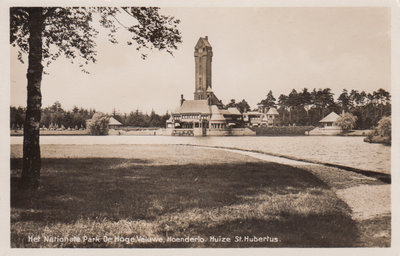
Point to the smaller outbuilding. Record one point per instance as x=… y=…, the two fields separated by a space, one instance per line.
x=329 y=120
x=259 y=118
x=327 y=126
x=253 y=118
x=114 y=123
x=272 y=117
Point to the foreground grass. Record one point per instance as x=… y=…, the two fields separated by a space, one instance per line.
x=165 y=191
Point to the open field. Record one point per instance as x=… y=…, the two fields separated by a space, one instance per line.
x=53 y=133
x=161 y=191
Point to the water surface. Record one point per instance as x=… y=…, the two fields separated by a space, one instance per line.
x=348 y=151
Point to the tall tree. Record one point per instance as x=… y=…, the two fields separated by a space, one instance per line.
x=306 y=102
x=283 y=104
x=344 y=100
x=293 y=102
x=46 y=33
x=293 y=99
x=327 y=97
x=382 y=97
x=305 y=97
x=363 y=97
x=268 y=102
x=243 y=106
x=355 y=98
x=231 y=104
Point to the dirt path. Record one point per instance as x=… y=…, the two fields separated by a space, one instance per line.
x=367 y=201
x=367 y=197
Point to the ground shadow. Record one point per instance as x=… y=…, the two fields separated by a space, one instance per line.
x=131 y=189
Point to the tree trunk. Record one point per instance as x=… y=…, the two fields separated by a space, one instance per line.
x=31 y=149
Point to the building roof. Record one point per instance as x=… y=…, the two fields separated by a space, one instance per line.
x=253 y=113
x=272 y=111
x=213 y=99
x=224 y=112
x=234 y=111
x=203 y=41
x=332 y=117
x=193 y=106
x=229 y=111
x=216 y=114
x=113 y=121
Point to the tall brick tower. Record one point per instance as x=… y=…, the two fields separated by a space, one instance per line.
x=203 y=58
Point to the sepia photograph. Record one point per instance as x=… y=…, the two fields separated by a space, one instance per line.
x=200 y=127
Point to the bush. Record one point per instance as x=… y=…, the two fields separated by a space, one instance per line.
x=283 y=130
x=382 y=133
x=98 y=125
x=346 y=121
x=385 y=127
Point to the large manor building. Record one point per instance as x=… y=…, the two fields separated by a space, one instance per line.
x=205 y=114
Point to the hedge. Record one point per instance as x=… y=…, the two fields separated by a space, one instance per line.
x=282 y=130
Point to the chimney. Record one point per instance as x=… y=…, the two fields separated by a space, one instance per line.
x=206 y=37
x=182 y=99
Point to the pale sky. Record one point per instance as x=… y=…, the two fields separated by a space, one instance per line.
x=255 y=50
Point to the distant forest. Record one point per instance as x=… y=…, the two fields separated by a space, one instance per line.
x=297 y=108
x=55 y=117
x=309 y=107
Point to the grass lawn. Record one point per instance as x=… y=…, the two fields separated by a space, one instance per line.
x=166 y=191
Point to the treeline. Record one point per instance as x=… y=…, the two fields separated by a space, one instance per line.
x=297 y=108
x=138 y=119
x=309 y=107
x=55 y=117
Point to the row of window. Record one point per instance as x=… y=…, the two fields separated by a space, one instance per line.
x=196 y=125
x=194 y=116
x=259 y=118
x=207 y=125
x=218 y=126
